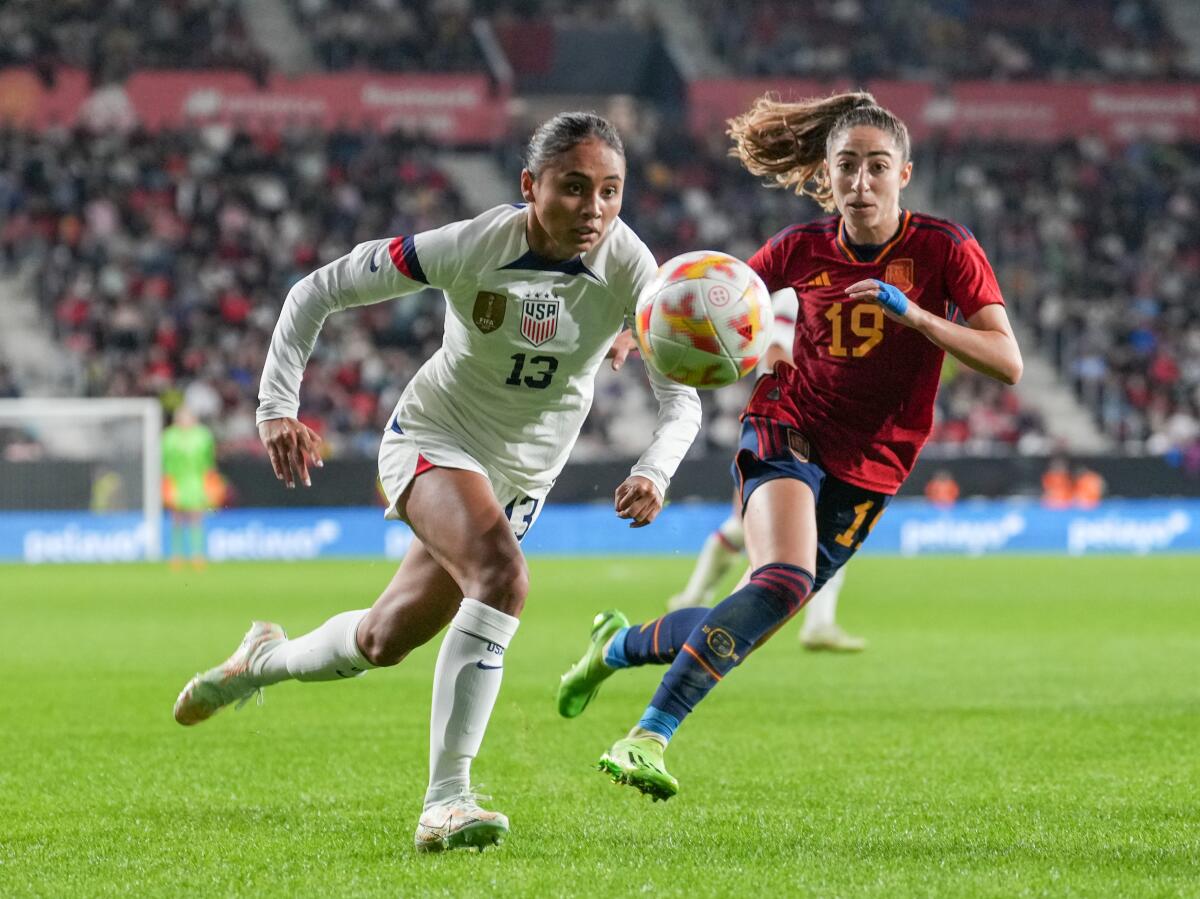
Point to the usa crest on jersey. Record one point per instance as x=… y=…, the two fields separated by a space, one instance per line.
x=539 y=318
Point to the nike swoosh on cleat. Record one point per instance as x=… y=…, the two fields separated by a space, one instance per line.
x=488 y=667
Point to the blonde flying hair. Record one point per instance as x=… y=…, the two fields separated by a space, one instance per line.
x=788 y=142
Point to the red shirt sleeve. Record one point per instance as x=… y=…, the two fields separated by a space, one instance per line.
x=768 y=265
x=970 y=281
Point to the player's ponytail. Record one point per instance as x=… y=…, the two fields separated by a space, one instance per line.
x=788 y=142
x=563 y=132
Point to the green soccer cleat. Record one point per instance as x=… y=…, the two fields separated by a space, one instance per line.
x=577 y=687
x=638 y=762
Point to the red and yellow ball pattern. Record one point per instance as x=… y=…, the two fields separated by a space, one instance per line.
x=704 y=320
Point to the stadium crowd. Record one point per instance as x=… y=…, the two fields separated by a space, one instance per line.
x=859 y=39
x=108 y=40
x=391 y=35
x=162 y=261
x=1098 y=247
x=985 y=39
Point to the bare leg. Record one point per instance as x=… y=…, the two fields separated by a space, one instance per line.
x=457 y=518
x=413 y=608
x=781 y=524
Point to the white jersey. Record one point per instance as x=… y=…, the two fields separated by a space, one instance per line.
x=524 y=338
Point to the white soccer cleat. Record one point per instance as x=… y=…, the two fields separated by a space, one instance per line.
x=831 y=639
x=459 y=823
x=208 y=693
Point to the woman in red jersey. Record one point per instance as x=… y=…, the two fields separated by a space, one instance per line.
x=884 y=293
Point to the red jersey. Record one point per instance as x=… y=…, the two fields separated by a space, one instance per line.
x=863 y=387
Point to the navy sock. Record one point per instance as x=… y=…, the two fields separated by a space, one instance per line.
x=656 y=642
x=725 y=636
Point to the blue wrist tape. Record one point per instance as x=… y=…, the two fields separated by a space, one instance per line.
x=892 y=298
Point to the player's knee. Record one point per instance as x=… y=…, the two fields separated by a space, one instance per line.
x=502 y=582
x=380 y=645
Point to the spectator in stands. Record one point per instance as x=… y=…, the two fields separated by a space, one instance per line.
x=1058 y=490
x=1087 y=488
x=942 y=490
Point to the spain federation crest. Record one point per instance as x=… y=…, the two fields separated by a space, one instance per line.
x=539 y=318
x=899 y=273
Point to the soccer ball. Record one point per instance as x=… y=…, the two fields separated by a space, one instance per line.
x=705 y=320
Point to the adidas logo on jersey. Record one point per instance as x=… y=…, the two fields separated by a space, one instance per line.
x=821 y=280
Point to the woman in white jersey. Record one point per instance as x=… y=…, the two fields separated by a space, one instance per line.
x=535 y=295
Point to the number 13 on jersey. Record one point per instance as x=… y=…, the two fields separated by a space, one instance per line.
x=864 y=320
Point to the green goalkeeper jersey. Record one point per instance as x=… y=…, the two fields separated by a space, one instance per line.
x=188 y=455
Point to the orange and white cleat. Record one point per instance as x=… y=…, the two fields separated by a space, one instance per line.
x=459 y=823
x=208 y=693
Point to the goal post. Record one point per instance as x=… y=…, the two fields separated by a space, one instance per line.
x=75 y=473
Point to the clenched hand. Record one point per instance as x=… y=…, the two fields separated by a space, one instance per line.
x=639 y=499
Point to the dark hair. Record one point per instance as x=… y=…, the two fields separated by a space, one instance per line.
x=788 y=142
x=564 y=131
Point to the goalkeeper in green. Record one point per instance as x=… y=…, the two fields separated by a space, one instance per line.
x=190 y=482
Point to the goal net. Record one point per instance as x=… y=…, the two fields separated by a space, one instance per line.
x=80 y=480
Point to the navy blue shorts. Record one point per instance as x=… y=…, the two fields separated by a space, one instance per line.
x=845 y=513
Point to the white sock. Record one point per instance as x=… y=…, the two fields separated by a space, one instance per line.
x=720 y=549
x=328 y=653
x=466 y=682
x=734 y=533
x=821 y=611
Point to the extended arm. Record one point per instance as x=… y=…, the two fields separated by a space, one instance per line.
x=986 y=343
x=363 y=276
x=640 y=496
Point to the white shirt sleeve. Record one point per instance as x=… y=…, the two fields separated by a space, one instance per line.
x=678 y=406
x=365 y=275
x=677 y=426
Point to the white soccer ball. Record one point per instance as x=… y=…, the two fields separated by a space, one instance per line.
x=705 y=320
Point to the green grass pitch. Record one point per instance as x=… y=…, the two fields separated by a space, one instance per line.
x=1018 y=727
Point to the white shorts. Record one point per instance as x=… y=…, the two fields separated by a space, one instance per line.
x=402 y=457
